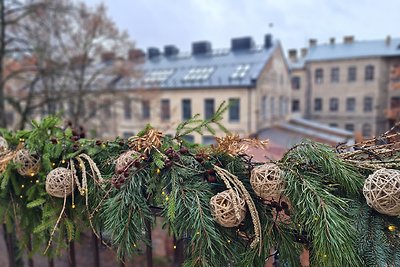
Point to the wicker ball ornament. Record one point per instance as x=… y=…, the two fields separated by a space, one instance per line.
x=3 y=145
x=125 y=159
x=382 y=191
x=28 y=164
x=267 y=181
x=60 y=182
x=228 y=208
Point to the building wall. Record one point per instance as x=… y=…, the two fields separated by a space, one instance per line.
x=360 y=119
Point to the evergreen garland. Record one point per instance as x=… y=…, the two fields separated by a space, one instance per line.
x=321 y=208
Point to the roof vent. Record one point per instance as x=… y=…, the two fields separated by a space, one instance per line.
x=243 y=43
x=388 y=40
x=292 y=55
x=153 y=52
x=201 y=48
x=268 y=41
x=332 y=40
x=312 y=42
x=303 y=52
x=170 y=50
x=348 y=39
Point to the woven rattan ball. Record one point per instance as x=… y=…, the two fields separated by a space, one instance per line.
x=125 y=159
x=228 y=208
x=28 y=164
x=60 y=182
x=267 y=181
x=382 y=191
x=3 y=144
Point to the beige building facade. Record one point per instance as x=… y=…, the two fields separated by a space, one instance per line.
x=345 y=85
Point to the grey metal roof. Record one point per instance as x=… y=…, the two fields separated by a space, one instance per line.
x=221 y=64
x=356 y=49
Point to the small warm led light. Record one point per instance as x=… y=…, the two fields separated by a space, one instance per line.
x=315 y=218
x=53 y=164
x=143 y=158
x=32 y=174
x=20 y=196
x=166 y=198
x=22 y=140
x=158 y=171
x=174 y=246
x=23 y=186
x=198 y=232
x=162 y=193
x=134 y=245
x=63 y=161
x=73 y=206
x=229 y=241
x=37 y=181
x=325 y=256
x=391 y=228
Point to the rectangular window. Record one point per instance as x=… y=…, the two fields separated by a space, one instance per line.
x=350 y=104
x=334 y=125
x=272 y=106
x=209 y=108
x=188 y=138
x=186 y=109
x=208 y=140
x=127 y=109
x=335 y=75
x=352 y=74
x=107 y=109
x=296 y=82
x=234 y=109
x=349 y=127
x=368 y=104
x=369 y=73
x=318 y=104
x=319 y=76
x=145 y=109
x=165 y=110
x=295 y=105
x=333 y=104
x=126 y=135
x=264 y=107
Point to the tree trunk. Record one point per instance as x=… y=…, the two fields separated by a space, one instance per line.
x=72 y=258
x=96 y=250
x=30 y=259
x=3 y=122
x=149 y=249
x=50 y=262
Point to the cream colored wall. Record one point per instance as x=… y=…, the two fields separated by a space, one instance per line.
x=274 y=82
x=344 y=89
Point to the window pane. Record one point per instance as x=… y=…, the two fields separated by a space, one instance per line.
x=319 y=76
x=296 y=82
x=208 y=140
x=369 y=73
x=335 y=75
x=165 y=109
x=352 y=74
x=209 y=108
x=188 y=138
x=186 y=109
x=234 y=109
x=366 y=130
x=295 y=105
x=350 y=104
x=368 y=104
x=333 y=104
x=127 y=109
x=349 y=127
x=264 y=107
x=145 y=109
x=317 y=104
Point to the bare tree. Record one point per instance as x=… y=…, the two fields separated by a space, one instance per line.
x=70 y=48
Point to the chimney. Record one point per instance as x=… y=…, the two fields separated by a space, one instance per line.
x=332 y=40
x=312 y=42
x=268 y=41
x=292 y=55
x=153 y=52
x=388 y=40
x=243 y=43
x=136 y=54
x=170 y=50
x=303 y=52
x=107 y=57
x=348 y=39
x=201 y=48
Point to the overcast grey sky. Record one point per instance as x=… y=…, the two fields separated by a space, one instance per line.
x=180 y=22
